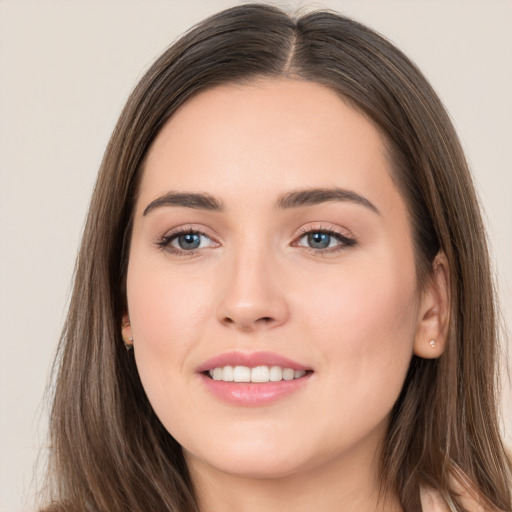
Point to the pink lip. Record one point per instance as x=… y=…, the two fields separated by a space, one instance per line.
x=251 y=394
x=250 y=359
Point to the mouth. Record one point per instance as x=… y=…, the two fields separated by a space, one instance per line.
x=257 y=374
x=253 y=379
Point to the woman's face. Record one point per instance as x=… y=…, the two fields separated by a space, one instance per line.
x=269 y=234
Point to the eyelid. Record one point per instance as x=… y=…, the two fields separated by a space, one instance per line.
x=324 y=227
x=164 y=241
x=344 y=236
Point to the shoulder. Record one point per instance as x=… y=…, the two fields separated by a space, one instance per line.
x=431 y=500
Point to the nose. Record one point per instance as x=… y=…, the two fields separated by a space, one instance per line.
x=253 y=297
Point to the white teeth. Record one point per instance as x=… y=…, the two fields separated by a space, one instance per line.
x=276 y=374
x=256 y=374
x=228 y=374
x=241 y=374
x=288 y=374
x=260 y=374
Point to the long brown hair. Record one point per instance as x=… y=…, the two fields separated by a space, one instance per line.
x=109 y=451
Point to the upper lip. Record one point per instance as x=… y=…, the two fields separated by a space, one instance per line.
x=250 y=359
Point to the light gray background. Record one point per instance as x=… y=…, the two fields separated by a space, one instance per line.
x=66 y=69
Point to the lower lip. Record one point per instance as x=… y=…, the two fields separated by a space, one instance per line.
x=253 y=394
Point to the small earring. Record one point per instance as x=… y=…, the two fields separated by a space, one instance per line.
x=432 y=343
x=128 y=346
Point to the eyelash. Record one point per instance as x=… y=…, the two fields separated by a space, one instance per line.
x=165 y=242
x=344 y=241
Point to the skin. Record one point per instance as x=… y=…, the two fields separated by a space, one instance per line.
x=354 y=314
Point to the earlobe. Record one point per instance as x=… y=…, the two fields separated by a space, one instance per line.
x=434 y=313
x=126 y=332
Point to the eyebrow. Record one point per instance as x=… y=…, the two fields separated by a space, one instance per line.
x=198 y=201
x=314 y=196
x=293 y=199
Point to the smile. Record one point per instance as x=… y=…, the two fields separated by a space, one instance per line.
x=259 y=374
x=253 y=379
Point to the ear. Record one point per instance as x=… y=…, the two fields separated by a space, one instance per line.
x=126 y=331
x=434 y=313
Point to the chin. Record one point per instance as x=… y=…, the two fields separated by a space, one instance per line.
x=250 y=461
x=259 y=469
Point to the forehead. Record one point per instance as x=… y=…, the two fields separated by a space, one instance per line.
x=267 y=135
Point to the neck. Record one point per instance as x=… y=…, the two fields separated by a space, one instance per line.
x=347 y=485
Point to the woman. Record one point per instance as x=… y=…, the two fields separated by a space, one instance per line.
x=285 y=236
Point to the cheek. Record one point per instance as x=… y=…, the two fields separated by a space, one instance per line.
x=365 y=320
x=167 y=309
x=169 y=315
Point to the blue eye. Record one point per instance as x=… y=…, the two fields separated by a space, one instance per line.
x=188 y=241
x=185 y=241
x=319 y=240
x=324 y=239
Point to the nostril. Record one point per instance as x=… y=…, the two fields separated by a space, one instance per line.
x=248 y=325
x=264 y=320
